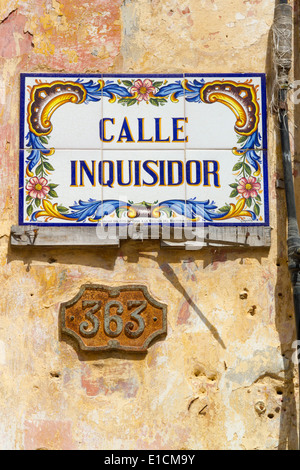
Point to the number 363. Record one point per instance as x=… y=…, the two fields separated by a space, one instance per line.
x=113 y=324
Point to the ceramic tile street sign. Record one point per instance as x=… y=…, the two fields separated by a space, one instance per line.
x=113 y=318
x=158 y=149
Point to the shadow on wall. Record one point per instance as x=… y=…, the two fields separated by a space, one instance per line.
x=107 y=258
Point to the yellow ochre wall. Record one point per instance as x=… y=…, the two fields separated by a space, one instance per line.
x=230 y=311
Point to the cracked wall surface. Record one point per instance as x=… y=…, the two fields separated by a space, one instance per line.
x=223 y=378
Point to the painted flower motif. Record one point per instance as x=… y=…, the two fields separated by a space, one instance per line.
x=143 y=89
x=37 y=187
x=248 y=187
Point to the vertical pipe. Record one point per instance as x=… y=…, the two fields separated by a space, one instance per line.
x=283 y=60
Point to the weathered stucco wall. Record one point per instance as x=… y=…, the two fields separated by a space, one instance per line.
x=230 y=314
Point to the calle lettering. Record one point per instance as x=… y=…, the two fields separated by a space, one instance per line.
x=127 y=135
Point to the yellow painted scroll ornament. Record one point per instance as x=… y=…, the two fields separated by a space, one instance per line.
x=45 y=98
x=239 y=98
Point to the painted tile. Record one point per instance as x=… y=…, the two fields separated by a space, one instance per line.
x=60 y=111
x=63 y=186
x=224 y=111
x=227 y=189
x=147 y=184
x=142 y=113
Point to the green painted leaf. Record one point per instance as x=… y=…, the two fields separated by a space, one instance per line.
x=48 y=166
x=39 y=169
x=234 y=185
x=37 y=202
x=247 y=169
x=29 y=210
x=62 y=209
x=258 y=198
x=28 y=198
x=127 y=83
x=154 y=102
x=43 y=139
x=157 y=84
x=242 y=139
x=256 y=209
x=131 y=102
x=224 y=209
x=237 y=166
x=52 y=185
x=249 y=201
x=53 y=193
x=234 y=193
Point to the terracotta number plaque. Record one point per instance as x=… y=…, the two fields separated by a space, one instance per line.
x=113 y=318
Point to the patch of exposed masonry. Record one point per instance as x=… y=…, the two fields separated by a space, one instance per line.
x=247 y=371
x=10 y=19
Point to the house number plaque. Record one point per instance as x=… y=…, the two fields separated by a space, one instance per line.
x=113 y=318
